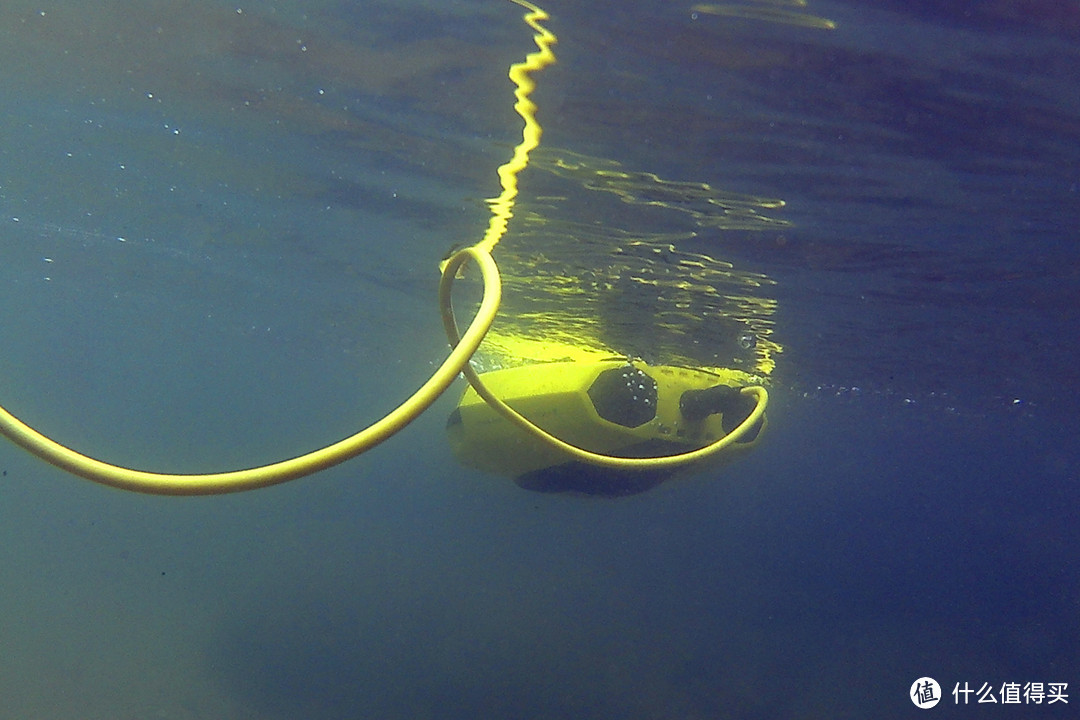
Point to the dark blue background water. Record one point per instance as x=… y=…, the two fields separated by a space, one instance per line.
x=220 y=233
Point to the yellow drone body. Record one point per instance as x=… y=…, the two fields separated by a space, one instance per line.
x=609 y=407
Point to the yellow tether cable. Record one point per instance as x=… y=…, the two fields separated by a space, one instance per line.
x=501 y=211
x=235 y=481
x=502 y=207
x=463 y=347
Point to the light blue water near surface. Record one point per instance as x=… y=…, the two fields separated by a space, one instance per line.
x=220 y=230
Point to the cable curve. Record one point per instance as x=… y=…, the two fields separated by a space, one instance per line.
x=279 y=472
x=457 y=362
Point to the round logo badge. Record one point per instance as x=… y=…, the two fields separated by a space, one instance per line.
x=925 y=692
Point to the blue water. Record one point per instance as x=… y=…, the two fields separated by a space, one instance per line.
x=220 y=228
